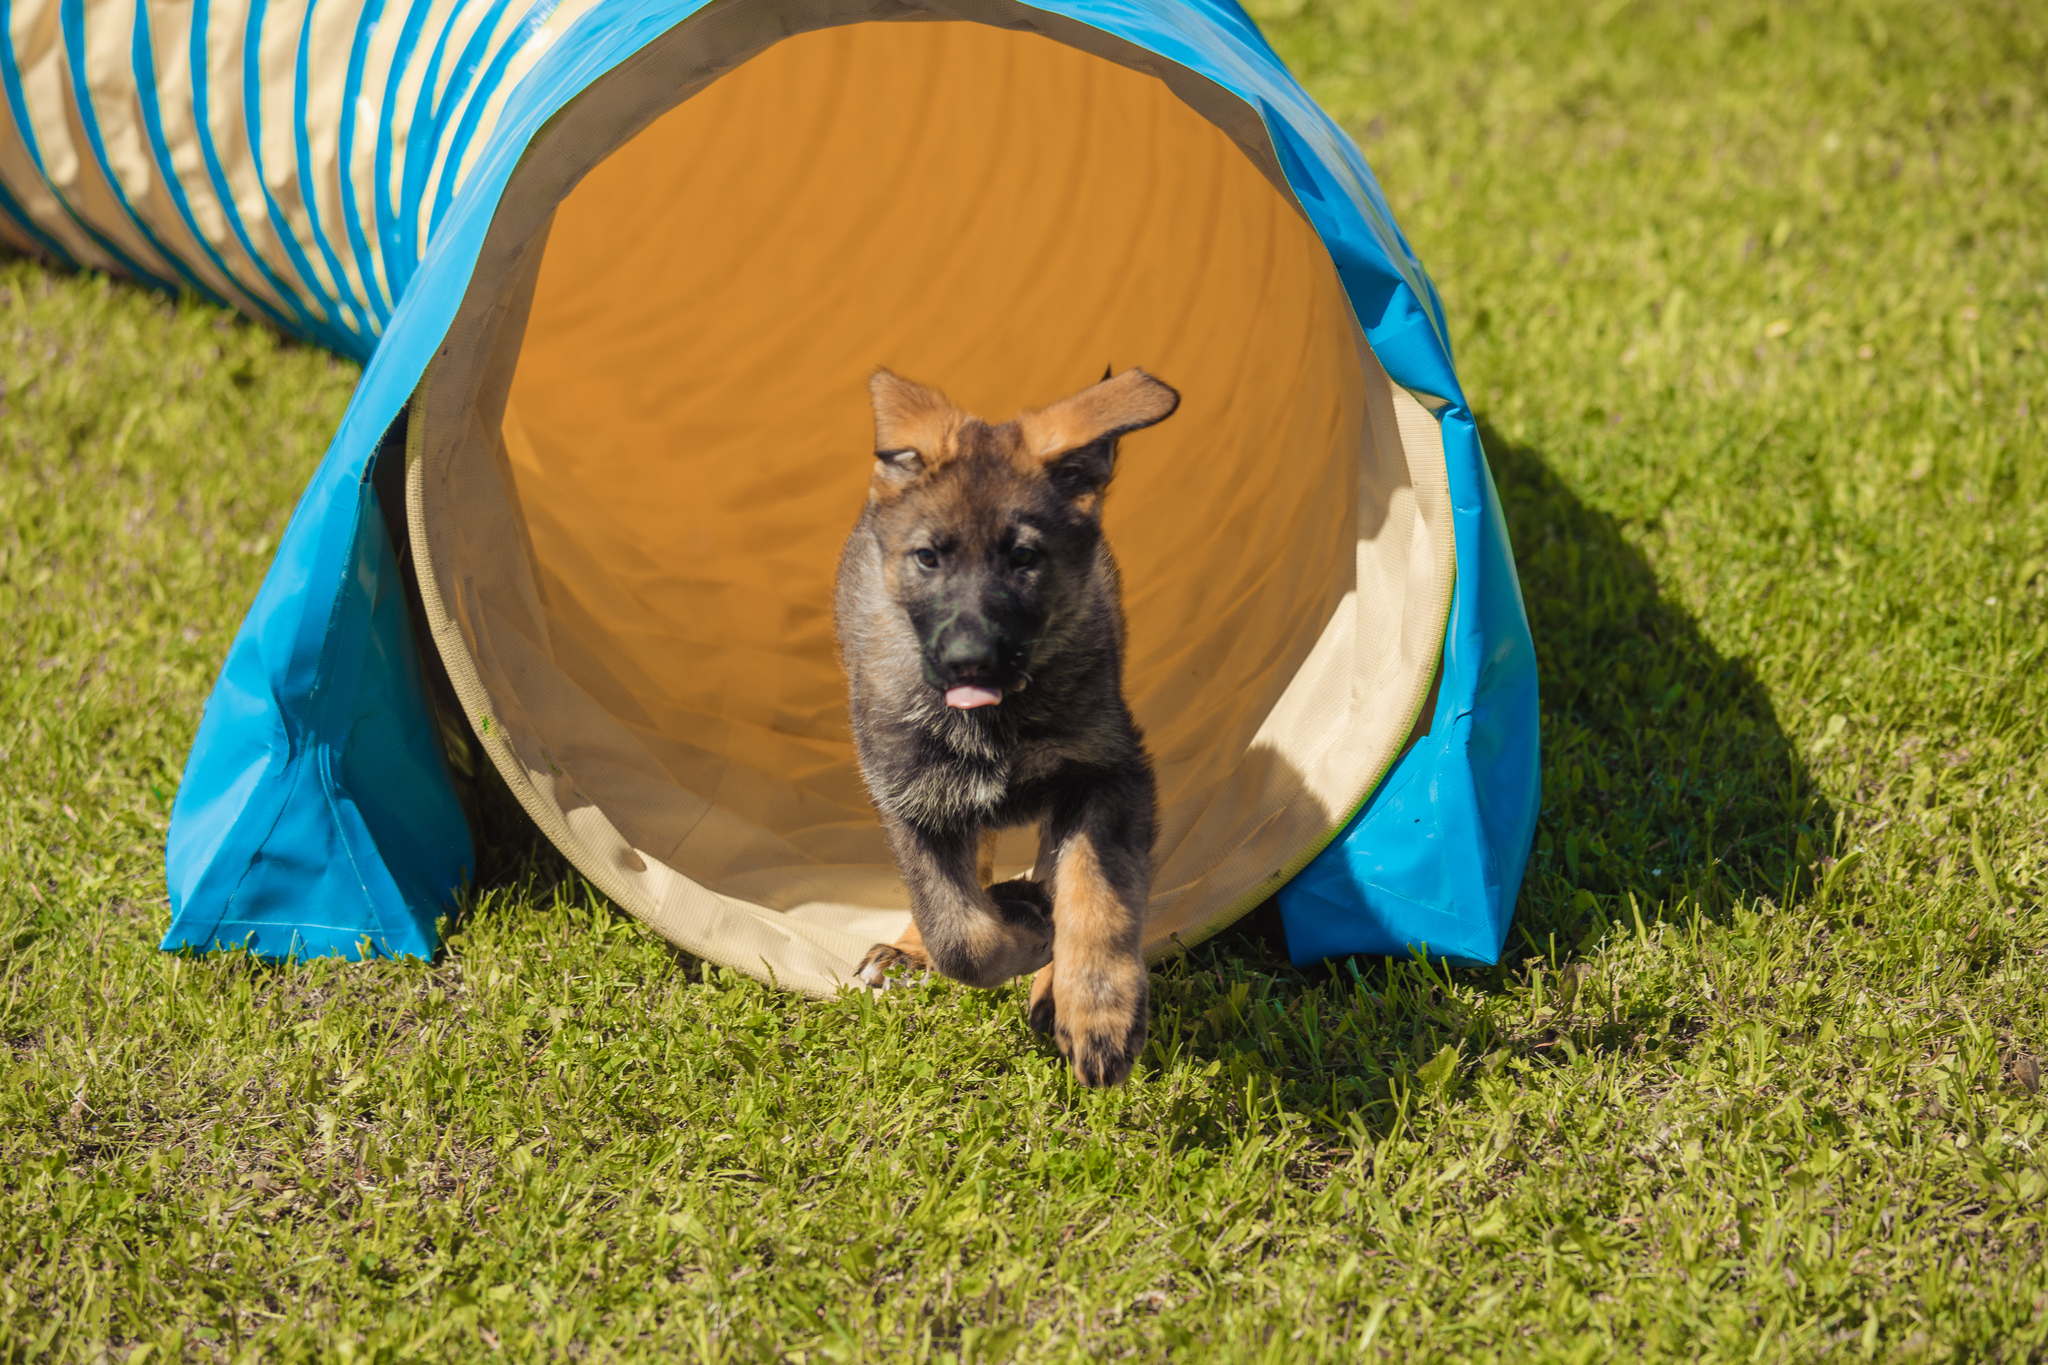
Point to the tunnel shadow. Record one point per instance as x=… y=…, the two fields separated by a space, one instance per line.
x=1667 y=775
x=1670 y=790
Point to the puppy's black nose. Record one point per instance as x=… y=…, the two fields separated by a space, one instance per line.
x=969 y=654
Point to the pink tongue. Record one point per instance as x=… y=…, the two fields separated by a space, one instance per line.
x=966 y=697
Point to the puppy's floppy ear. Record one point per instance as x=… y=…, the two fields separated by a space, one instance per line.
x=1076 y=437
x=913 y=425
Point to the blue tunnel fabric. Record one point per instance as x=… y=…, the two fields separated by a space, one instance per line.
x=1434 y=859
x=315 y=815
x=338 y=831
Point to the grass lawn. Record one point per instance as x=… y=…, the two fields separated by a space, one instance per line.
x=1753 y=301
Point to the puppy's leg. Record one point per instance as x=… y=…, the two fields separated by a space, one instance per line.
x=1093 y=998
x=890 y=963
x=985 y=856
x=1038 y=895
x=907 y=955
x=1038 y=1011
x=965 y=932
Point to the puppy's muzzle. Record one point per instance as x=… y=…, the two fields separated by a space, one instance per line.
x=975 y=664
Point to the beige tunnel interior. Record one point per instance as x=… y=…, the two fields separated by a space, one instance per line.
x=635 y=460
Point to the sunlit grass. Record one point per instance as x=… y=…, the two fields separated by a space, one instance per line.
x=1752 y=301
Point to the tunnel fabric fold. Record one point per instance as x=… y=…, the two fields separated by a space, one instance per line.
x=630 y=265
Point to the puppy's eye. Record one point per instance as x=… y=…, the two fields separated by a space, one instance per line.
x=1024 y=556
x=927 y=558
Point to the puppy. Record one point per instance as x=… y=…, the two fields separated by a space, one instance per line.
x=981 y=629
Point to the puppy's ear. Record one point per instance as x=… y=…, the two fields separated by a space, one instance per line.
x=1076 y=437
x=913 y=426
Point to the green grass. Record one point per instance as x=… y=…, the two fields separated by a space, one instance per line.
x=1753 y=300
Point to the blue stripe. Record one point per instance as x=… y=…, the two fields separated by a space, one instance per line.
x=351 y=95
x=202 y=126
x=451 y=160
x=302 y=145
x=466 y=64
x=422 y=154
x=17 y=102
x=332 y=335
x=396 y=270
x=11 y=206
x=71 y=18
x=142 y=53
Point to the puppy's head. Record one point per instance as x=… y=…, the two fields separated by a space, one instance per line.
x=989 y=534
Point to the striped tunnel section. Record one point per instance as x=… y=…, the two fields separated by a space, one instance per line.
x=289 y=160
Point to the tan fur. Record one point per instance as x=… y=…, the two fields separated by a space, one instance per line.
x=888 y=964
x=1132 y=400
x=1039 y=1008
x=911 y=417
x=1095 y=989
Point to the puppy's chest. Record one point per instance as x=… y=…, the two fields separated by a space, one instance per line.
x=947 y=787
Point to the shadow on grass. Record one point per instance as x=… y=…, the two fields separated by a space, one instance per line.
x=1667 y=777
x=1670 y=790
x=1666 y=770
x=1666 y=774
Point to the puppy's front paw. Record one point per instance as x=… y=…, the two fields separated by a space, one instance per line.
x=1097 y=1014
x=890 y=965
x=1025 y=912
x=1020 y=894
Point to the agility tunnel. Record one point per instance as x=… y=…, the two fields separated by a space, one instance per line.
x=618 y=271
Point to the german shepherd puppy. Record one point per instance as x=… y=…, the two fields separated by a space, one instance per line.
x=982 y=632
